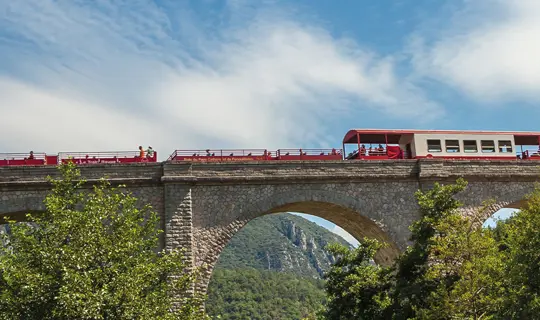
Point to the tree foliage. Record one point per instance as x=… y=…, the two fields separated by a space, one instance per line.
x=356 y=287
x=91 y=255
x=520 y=240
x=249 y=293
x=453 y=269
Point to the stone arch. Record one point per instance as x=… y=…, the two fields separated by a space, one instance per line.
x=500 y=198
x=335 y=207
x=341 y=209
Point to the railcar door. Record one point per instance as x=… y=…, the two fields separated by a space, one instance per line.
x=408 y=150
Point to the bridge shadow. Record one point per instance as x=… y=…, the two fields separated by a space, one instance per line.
x=17 y=216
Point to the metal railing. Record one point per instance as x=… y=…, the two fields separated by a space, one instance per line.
x=529 y=154
x=22 y=158
x=105 y=157
x=309 y=152
x=217 y=154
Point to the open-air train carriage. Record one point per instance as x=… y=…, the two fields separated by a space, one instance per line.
x=415 y=144
x=363 y=144
x=41 y=159
x=104 y=157
x=27 y=159
x=227 y=155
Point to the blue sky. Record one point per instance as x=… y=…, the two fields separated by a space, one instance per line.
x=111 y=75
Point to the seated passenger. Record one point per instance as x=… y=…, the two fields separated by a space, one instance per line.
x=333 y=151
x=363 y=150
x=31 y=156
x=380 y=148
x=208 y=154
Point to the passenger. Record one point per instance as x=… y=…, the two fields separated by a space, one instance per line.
x=208 y=154
x=31 y=156
x=150 y=152
x=333 y=151
x=141 y=152
x=363 y=150
x=380 y=149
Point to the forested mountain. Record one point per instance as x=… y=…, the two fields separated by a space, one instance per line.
x=272 y=269
x=281 y=242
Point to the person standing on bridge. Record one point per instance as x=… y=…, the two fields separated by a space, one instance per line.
x=141 y=152
x=150 y=152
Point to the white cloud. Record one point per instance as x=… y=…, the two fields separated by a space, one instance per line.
x=94 y=77
x=491 y=51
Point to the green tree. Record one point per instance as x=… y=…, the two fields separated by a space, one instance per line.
x=92 y=255
x=453 y=269
x=520 y=242
x=468 y=267
x=412 y=286
x=356 y=288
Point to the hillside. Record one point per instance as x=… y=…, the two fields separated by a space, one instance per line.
x=281 y=242
x=272 y=269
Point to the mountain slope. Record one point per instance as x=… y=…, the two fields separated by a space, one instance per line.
x=272 y=269
x=281 y=242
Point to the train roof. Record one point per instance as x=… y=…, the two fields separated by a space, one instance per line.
x=393 y=135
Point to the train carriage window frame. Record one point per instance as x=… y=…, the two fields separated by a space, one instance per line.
x=452 y=146
x=470 y=146
x=507 y=144
x=434 y=145
x=488 y=146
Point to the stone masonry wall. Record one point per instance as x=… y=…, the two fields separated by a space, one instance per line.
x=203 y=205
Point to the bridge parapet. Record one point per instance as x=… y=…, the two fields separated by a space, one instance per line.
x=479 y=170
x=37 y=175
x=263 y=171
x=289 y=171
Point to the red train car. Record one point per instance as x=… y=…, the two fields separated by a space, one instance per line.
x=104 y=157
x=366 y=144
x=27 y=159
x=80 y=158
x=227 y=155
x=376 y=144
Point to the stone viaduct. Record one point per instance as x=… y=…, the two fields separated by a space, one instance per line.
x=202 y=205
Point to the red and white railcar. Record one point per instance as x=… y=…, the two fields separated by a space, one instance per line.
x=105 y=157
x=228 y=155
x=376 y=144
x=81 y=158
x=363 y=144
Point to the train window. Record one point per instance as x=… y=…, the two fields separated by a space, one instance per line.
x=470 y=146
x=434 y=146
x=488 y=146
x=452 y=145
x=505 y=146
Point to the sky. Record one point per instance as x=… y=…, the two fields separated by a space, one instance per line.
x=107 y=75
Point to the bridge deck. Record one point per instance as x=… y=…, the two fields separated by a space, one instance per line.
x=253 y=172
